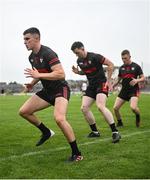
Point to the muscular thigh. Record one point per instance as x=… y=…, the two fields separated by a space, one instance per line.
x=60 y=107
x=119 y=102
x=134 y=101
x=101 y=99
x=34 y=103
x=87 y=101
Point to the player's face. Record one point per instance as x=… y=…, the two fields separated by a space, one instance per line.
x=126 y=59
x=30 y=41
x=80 y=52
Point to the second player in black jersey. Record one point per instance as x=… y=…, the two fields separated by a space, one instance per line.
x=47 y=68
x=91 y=65
x=130 y=74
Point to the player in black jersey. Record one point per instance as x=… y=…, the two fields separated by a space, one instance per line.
x=47 y=68
x=91 y=65
x=131 y=74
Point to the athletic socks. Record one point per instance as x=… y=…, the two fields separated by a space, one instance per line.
x=137 y=117
x=119 y=121
x=113 y=127
x=93 y=127
x=43 y=129
x=74 y=147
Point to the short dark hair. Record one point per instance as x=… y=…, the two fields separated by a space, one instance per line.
x=32 y=30
x=125 y=52
x=77 y=44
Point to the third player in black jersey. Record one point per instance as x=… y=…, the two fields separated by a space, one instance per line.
x=91 y=65
x=131 y=74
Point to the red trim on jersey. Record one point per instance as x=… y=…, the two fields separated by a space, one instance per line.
x=127 y=75
x=53 y=60
x=90 y=70
x=43 y=70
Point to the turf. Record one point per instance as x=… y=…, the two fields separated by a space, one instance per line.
x=21 y=159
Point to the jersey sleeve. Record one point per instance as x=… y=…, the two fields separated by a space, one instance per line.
x=52 y=59
x=30 y=60
x=99 y=58
x=139 y=70
x=119 y=72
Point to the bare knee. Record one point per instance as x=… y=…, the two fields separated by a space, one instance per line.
x=24 y=112
x=84 y=109
x=133 y=108
x=59 y=119
x=116 y=108
x=101 y=107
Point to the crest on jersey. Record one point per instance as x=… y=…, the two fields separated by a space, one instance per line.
x=132 y=68
x=123 y=68
x=32 y=60
x=89 y=62
x=41 y=60
x=81 y=63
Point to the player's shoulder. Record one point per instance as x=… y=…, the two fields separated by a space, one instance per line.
x=122 y=67
x=92 y=54
x=135 y=64
x=30 y=56
x=45 y=50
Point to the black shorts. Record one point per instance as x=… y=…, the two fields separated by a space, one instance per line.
x=127 y=94
x=50 y=96
x=92 y=91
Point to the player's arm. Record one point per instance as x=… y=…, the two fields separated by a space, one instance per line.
x=29 y=86
x=77 y=71
x=110 y=68
x=56 y=74
x=116 y=82
x=136 y=81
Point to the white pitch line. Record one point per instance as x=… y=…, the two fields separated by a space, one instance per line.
x=66 y=147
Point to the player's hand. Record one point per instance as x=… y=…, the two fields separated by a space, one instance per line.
x=114 y=85
x=28 y=87
x=75 y=70
x=133 y=82
x=32 y=73
x=109 y=85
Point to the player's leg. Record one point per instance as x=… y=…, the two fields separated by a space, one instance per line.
x=85 y=108
x=101 y=104
x=60 y=110
x=32 y=105
x=135 y=109
x=117 y=105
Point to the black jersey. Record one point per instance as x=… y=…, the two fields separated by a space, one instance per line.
x=127 y=73
x=92 y=66
x=43 y=61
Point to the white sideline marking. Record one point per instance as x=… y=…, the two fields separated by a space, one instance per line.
x=66 y=147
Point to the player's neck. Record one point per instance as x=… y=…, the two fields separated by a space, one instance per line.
x=130 y=62
x=85 y=54
x=36 y=49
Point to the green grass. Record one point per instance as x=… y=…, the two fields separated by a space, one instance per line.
x=21 y=159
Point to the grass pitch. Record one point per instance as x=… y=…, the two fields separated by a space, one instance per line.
x=21 y=159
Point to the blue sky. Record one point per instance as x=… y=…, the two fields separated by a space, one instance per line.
x=104 y=26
